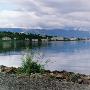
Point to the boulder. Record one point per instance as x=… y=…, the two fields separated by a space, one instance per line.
x=7 y=69
x=10 y=70
x=2 y=68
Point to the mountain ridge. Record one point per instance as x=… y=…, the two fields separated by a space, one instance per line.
x=52 y=32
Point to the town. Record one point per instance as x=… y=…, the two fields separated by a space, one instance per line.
x=36 y=37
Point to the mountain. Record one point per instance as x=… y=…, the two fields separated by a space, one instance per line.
x=12 y=29
x=54 y=32
x=66 y=33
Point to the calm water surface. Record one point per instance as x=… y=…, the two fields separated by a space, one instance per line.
x=71 y=56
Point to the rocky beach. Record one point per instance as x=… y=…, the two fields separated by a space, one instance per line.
x=55 y=80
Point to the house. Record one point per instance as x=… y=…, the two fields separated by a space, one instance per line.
x=44 y=39
x=73 y=39
x=27 y=39
x=6 y=38
x=57 y=39
x=34 y=40
x=15 y=38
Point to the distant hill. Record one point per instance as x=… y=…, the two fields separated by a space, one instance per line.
x=11 y=29
x=54 y=32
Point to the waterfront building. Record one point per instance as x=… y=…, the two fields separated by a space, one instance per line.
x=57 y=39
x=6 y=38
x=27 y=39
x=73 y=39
x=34 y=40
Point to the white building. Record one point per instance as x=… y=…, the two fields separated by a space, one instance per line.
x=6 y=38
x=34 y=40
x=27 y=39
x=15 y=38
x=73 y=39
x=44 y=40
x=57 y=39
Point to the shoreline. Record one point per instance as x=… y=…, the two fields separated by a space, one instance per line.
x=59 y=75
x=49 y=80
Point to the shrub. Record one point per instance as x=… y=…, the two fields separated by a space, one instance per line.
x=30 y=66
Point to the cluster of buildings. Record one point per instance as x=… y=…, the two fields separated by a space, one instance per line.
x=33 y=40
x=54 y=38
x=67 y=39
x=5 y=38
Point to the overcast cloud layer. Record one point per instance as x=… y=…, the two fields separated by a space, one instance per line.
x=45 y=13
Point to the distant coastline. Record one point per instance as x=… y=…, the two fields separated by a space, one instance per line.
x=35 y=37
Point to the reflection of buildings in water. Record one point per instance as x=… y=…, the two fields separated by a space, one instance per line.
x=21 y=45
x=14 y=43
x=27 y=43
x=6 y=44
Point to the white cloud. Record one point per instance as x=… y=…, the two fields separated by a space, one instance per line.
x=45 y=13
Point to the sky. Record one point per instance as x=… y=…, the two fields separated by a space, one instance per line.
x=45 y=14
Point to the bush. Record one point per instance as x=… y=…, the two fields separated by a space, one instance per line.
x=29 y=66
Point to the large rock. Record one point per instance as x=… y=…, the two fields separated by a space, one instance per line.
x=2 y=68
x=9 y=70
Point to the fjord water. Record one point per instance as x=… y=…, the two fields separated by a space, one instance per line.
x=70 y=55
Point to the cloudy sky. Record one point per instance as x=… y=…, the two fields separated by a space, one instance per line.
x=45 y=13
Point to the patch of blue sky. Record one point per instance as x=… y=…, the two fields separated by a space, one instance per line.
x=7 y=7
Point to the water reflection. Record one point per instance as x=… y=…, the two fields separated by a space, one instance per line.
x=17 y=46
x=70 y=56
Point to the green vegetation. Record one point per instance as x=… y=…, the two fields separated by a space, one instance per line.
x=29 y=66
x=22 y=36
